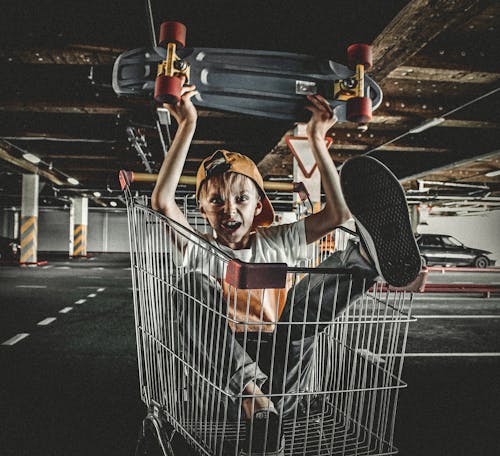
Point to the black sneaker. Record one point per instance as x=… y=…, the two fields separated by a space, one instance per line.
x=264 y=434
x=378 y=204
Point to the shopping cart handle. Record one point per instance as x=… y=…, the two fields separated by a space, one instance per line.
x=256 y=275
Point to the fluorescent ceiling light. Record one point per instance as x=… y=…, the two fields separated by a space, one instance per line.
x=493 y=173
x=32 y=158
x=428 y=124
x=97 y=194
x=72 y=180
x=112 y=203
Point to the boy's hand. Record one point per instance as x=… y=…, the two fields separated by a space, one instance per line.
x=323 y=117
x=184 y=111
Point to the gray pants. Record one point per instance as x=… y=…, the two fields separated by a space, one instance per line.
x=280 y=363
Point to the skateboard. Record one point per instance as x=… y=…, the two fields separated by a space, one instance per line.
x=257 y=83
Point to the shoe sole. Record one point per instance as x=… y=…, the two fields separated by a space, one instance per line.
x=378 y=204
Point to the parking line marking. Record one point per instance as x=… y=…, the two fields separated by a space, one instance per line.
x=91 y=295
x=47 y=321
x=451 y=355
x=66 y=310
x=455 y=316
x=31 y=286
x=80 y=301
x=17 y=338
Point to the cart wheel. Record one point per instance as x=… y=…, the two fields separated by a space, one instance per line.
x=152 y=440
x=172 y=32
x=359 y=110
x=168 y=89
x=359 y=54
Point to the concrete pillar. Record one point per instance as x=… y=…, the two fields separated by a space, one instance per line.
x=414 y=217
x=78 y=222
x=29 y=219
x=304 y=165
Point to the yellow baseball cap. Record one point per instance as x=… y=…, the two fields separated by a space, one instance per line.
x=223 y=161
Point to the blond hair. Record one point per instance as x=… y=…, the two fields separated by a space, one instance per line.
x=227 y=184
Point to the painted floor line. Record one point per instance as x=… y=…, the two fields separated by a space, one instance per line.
x=66 y=310
x=31 y=286
x=450 y=355
x=451 y=317
x=426 y=297
x=91 y=295
x=17 y=338
x=47 y=321
x=80 y=301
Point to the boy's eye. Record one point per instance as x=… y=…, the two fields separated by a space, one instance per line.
x=243 y=197
x=215 y=200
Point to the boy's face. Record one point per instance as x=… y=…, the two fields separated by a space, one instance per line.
x=230 y=208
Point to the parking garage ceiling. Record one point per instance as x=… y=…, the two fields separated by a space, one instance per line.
x=433 y=59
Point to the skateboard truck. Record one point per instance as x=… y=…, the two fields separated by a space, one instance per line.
x=173 y=65
x=169 y=78
x=352 y=90
x=345 y=89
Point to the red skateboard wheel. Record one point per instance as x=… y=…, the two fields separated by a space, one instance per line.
x=359 y=54
x=168 y=89
x=172 y=32
x=359 y=109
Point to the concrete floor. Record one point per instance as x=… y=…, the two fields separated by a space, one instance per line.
x=71 y=387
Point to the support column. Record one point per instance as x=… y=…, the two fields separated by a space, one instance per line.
x=304 y=165
x=413 y=208
x=79 y=220
x=29 y=219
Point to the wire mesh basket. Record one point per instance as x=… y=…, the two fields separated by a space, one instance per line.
x=350 y=358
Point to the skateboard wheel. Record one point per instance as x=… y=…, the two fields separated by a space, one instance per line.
x=172 y=32
x=359 y=54
x=168 y=89
x=359 y=109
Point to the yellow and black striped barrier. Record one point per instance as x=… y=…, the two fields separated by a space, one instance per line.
x=80 y=240
x=29 y=227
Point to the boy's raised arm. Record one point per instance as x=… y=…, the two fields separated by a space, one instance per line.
x=335 y=212
x=163 y=197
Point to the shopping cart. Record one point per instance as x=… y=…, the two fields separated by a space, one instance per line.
x=348 y=406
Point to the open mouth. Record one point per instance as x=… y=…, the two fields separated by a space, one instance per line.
x=231 y=225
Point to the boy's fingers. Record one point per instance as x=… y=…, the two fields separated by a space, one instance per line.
x=189 y=95
x=188 y=88
x=321 y=103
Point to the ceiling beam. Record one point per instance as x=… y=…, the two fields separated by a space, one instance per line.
x=419 y=22
x=27 y=166
x=451 y=166
x=71 y=55
x=443 y=75
x=63 y=108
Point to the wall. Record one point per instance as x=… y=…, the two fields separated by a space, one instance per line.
x=478 y=231
x=107 y=229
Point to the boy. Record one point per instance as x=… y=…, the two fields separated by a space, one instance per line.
x=231 y=198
